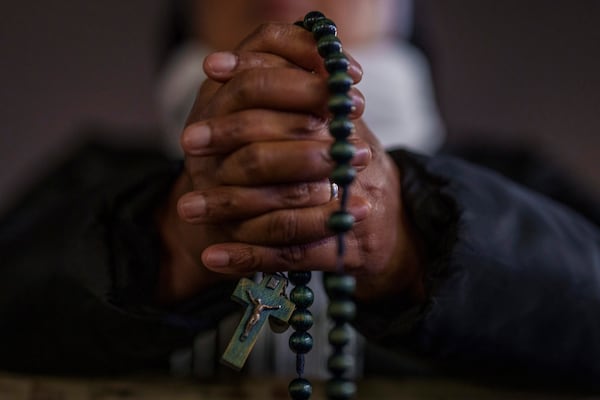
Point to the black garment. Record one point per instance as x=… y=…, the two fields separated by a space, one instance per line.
x=79 y=268
x=514 y=278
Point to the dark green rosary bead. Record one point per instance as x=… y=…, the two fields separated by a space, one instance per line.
x=301 y=342
x=341 y=127
x=343 y=175
x=341 y=151
x=340 y=221
x=299 y=277
x=339 y=363
x=337 y=63
x=340 y=105
x=341 y=310
x=301 y=320
x=324 y=27
x=302 y=296
x=311 y=18
x=328 y=45
x=340 y=389
x=340 y=335
x=300 y=389
x=339 y=82
x=340 y=285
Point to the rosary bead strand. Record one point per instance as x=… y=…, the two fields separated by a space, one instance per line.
x=341 y=310
x=301 y=320
x=339 y=286
x=267 y=300
x=301 y=342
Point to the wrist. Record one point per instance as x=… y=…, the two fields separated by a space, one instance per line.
x=402 y=275
x=402 y=279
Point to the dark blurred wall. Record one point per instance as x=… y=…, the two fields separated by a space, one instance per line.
x=67 y=63
x=521 y=72
x=511 y=70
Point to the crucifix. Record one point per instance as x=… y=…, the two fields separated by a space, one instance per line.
x=263 y=300
x=267 y=298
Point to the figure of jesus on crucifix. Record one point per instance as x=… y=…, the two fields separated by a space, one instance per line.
x=262 y=300
x=255 y=315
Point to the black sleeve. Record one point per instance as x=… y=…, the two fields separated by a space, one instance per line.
x=513 y=278
x=79 y=269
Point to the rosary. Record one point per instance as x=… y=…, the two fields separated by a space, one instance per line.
x=268 y=298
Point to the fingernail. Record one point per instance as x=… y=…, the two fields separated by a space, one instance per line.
x=221 y=62
x=362 y=157
x=216 y=258
x=355 y=70
x=357 y=100
x=197 y=137
x=359 y=211
x=193 y=208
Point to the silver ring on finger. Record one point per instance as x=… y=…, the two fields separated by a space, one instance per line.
x=335 y=190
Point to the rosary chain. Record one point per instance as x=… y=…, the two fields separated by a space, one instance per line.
x=339 y=286
x=301 y=342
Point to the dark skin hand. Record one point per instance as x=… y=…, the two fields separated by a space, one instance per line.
x=255 y=196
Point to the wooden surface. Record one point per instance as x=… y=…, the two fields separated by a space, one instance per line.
x=18 y=387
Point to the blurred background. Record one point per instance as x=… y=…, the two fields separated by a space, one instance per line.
x=513 y=72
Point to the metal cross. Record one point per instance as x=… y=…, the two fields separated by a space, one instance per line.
x=262 y=300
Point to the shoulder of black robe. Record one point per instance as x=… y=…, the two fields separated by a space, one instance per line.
x=513 y=280
x=79 y=268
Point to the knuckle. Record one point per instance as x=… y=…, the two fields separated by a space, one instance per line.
x=241 y=128
x=306 y=194
x=374 y=188
x=222 y=206
x=311 y=123
x=227 y=131
x=369 y=244
x=247 y=259
x=369 y=248
x=249 y=85
x=236 y=127
x=284 y=226
x=253 y=159
x=296 y=195
x=315 y=123
x=290 y=255
x=243 y=89
x=267 y=30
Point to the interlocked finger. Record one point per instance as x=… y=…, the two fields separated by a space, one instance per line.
x=294 y=226
x=221 y=135
x=244 y=259
x=285 y=161
x=221 y=66
x=293 y=43
x=229 y=203
x=286 y=89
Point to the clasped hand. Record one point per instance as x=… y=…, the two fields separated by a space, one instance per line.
x=255 y=196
